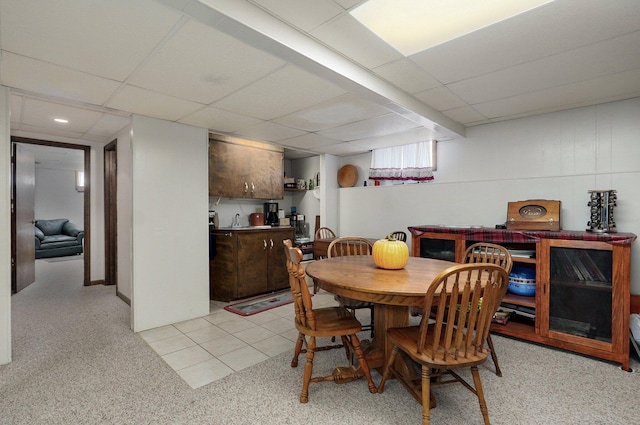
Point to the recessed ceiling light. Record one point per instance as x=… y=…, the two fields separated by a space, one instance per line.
x=411 y=26
x=61 y=120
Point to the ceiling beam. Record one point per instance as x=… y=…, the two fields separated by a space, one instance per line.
x=263 y=31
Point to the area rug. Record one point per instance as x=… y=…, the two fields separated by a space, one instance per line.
x=249 y=306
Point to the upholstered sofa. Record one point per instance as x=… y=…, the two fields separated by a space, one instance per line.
x=57 y=238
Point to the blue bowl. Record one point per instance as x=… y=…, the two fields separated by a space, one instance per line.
x=522 y=281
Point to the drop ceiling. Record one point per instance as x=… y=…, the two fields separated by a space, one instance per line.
x=303 y=74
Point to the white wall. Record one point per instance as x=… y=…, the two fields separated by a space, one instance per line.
x=330 y=208
x=56 y=196
x=5 y=225
x=170 y=275
x=305 y=202
x=557 y=156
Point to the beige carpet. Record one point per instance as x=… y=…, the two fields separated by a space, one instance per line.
x=77 y=362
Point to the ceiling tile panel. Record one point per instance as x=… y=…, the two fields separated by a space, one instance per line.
x=145 y=102
x=343 y=149
x=332 y=113
x=104 y=38
x=285 y=91
x=308 y=141
x=466 y=115
x=108 y=124
x=48 y=131
x=35 y=76
x=40 y=113
x=303 y=14
x=219 y=120
x=379 y=126
x=268 y=132
x=201 y=64
x=441 y=98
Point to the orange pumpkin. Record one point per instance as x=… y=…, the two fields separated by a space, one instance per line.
x=390 y=254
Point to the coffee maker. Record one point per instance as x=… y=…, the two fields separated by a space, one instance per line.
x=271 y=214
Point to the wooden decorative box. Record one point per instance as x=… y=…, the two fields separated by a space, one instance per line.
x=534 y=214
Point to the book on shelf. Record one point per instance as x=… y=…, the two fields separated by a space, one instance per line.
x=576 y=264
x=520 y=310
x=502 y=317
x=523 y=253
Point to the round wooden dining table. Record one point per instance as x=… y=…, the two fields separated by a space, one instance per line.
x=391 y=291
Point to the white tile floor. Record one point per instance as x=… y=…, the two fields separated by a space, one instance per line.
x=209 y=348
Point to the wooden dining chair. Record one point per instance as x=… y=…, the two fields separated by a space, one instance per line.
x=455 y=337
x=353 y=245
x=483 y=252
x=324 y=233
x=321 y=322
x=399 y=235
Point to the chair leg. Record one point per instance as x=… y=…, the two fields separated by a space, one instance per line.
x=355 y=342
x=426 y=395
x=308 y=370
x=480 y=394
x=347 y=349
x=297 y=350
x=387 y=368
x=494 y=356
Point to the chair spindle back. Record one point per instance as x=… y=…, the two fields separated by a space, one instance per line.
x=302 y=304
x=460 y=329
x=349 y=245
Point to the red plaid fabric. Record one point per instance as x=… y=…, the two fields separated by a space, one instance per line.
x=488 y=234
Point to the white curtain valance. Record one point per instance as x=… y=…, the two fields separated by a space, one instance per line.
x=407 y=162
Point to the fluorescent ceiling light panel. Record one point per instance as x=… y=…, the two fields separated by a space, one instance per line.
x=411 y=26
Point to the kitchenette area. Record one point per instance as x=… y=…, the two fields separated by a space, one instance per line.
x=253 y=207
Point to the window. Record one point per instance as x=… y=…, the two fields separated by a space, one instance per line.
x=416 y=162
x=80 y=181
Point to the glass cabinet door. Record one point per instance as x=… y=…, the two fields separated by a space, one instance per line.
x=580 y=292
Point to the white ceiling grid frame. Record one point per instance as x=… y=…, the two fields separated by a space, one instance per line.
x=260 y=29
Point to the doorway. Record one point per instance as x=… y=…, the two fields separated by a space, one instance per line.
x=29 y=230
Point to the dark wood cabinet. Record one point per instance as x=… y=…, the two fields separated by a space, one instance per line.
x=582 y=300
x=245 y=263
x=245 y=169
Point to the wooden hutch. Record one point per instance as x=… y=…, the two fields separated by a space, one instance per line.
x=582 y=299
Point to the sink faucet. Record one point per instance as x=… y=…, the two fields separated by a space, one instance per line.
x=236 y=221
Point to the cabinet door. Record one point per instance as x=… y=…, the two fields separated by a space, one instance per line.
x=252 y=264
x=223 y=266
x=441 y=246
x=579 y=297
x=266 y=179
x=278 y=275
x=228 y=170
x=238 y=171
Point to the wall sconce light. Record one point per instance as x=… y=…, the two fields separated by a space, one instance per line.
x=80 y=181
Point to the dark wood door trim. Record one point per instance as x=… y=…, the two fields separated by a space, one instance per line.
x=111 y=213
x=87 y=195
